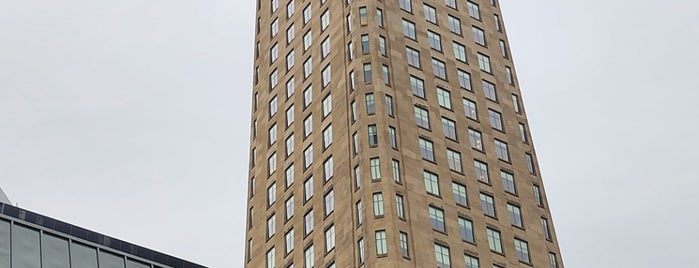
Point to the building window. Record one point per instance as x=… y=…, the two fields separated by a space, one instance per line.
x=510 y=75
x=481 y=171
x=327 y=105
x=471 y=262
x=307 y=68
x=367 y=73
x=522 y=249
x=441 y=254
x=476 y=140
x=409 y=30
x=290 y=8
x=274 y=53
x=389 y=105
x=454 y=25
x=363 y=20
x=373 y=136
x=503 y=49
x=406 y=5
x=459 y=192
x=413 y=57
x=515 y=103
x=466 y=230
x=308 y=189
x=273 y=106
x=325 y=48
x=375 y=168
x=422 y=118
x=329 y=200
x=484 y=63
x=478 y=36
x=309 y=258
x=396 y=170
x=403 y=238
x=290 y=34
x=454 y=160
x=459 y=52
x=450 y=3
x=537 y=195
x=290 y=87
x=370 y=103
x=399 y=207
x=473 y=10
x=365 y=43
x=307 y=40
x=426 y=150
x=553 y=260
x=360 y=249
x=515 y=214
x=435 y=40
x=307 y=14
x=327 y=136
x=523 y=133
x=330 y=239
x=289 y=242
x=353 y=110
x=439 y=69
x=382 y=46
x=501 y=150
x=470 y=109
x=274 y=27
x=379 y=17
x=495 y=119
x=270 y=258
x=545 y=229
x=508 y=182
x=417 y=86
x=431 y=182
x=530 y=163
x=381 y=247
x=430 y=13
x=289 y=176
x=437 y=219
x=273 y=134
x=494 y=240
x=271 y=194
x=488 y=205
x=271 y=226
x=489 y=91
x=355 y=143
x=308 y=222
x=444 y=98
x=378 y=204
x=290 y=61
x=272 y=163
x=289 y=208
x=325 y=20
x=328 y=169
x=358 y=207
x=449 y=128
x=386 y=74
x=392 y=137
x=307 y=126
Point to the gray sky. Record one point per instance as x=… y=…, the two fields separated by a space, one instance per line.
x=131 y=118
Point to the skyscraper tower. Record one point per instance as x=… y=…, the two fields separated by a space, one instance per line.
x=386 y=134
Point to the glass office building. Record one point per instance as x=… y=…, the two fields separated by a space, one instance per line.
x=31 y=240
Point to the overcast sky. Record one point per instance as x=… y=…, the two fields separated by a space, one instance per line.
x=131 y=118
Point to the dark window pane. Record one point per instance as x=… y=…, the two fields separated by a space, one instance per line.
x=83 y=256
x=54 y=252
x=25 y=247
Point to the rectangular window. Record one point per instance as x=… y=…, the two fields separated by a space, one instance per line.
x=431 y=182
x=454 y=25
x=399 y=207
x=508 y=182
x=489 y=91
x=466 y=230
x=378 y=204
x=422 y=118
x=417 y=86
x=330 y=239
x=327 y=136
x=307 y=14
x=537 y=195
x=358 y=207
x=327 y=105
x=515 y=103
x=449 y=128
x=501 y=150
x=289 y=242
x=328 y=169
x=375 y=168
x=365 y=44
x=473 y=10
x=373 y=136
x=290 y=8
x=271 y=194
x=392 y=137
x=459 y=192
x=454 y=160
x=523 y=133
x=289 y=208
x=481 y=171
x=308 y=189
x=395 y=166
x=290 y=62
x=307 y=126
x=494 y=241
x=515 y=214
x=484 y=63
x=406 y=5
x=273 y=106
x=496 y=18
x=290 y=34
x=370 y=103
x=270 y=258
x=530 y=163
x=545 y=228
x=444 y=98
x=382 y=46
x=439 y=69
x=437 y=219
x=367 y=73
x=430 y=13
x=289 y=176
x=488 y=205
x=271 y=226
x=360 y=249
x=495 y=119
x=363 y=20
x=290 y=87
x=503 y=49
x=459 y=52
x=403 y=238
x=309 y=259
x=450 y=3
x=553 y=260
x=471 y=262
x=470 y=109
x=325 y=20
x=307 y=40
x=379 y=17
x=272 y=163
x=441 y=254
x=389 y=105
x=413 y=57
x=435 y=40
x=308 y=222
x=409 y=30
x=274 y=28
x=273 y=134
x=426 y=150
x=326 y=76
x=307 y=68
x=386 y=74
x=476 y=140
x=329 y=200
x=381 y=247
x=522 y=249
x=478 y=36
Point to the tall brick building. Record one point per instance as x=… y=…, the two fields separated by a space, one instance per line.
x=391 y=133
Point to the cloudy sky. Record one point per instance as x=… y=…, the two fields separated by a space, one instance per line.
x=130 y=118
